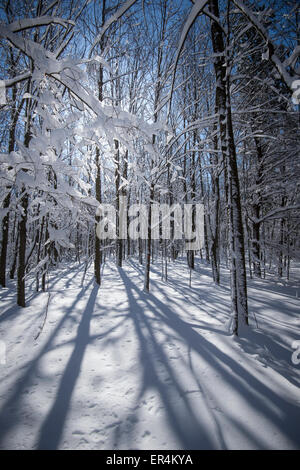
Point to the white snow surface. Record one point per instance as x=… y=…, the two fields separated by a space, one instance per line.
x=116 y=368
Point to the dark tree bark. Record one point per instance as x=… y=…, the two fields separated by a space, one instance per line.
x=22 y=251
x=14 y=263
x=5 y=229
x=148 y=242
x=119 y=241
x=98 y=251
x=215 y=227
x=256 y=250
x=23 y=219
x=226 y=136
x=5 y=221
x=97 y=260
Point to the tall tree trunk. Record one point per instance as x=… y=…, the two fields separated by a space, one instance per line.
x=38 y=258
x=97 y=260
x=16 y=249
x=46 y=255
x=5 y=229
x=238 y=267
x=119 y=241
x=5 y=221
x=215 y=227
x=157 y=94
x=124 y=194
x=22 y=251
x=98 y=251
x=206 y=247
x=148 y=242
x=23 y=216
x=256 y=249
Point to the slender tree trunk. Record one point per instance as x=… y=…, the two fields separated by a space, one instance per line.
x=124 y=194
x=5 y=229
x=46 y=255
x=215 y=229
x=97 y=260
x=5 y=221
x=98 y=244
x=23 y=217
x=148 y=242
x=238 y=268
x=206 y=247
x=140 y=251
x=22 y=251
x=119 y=241
x=38 y=255
x=281 y=242
x=14 y=263
x=256 y=249
x=157 y=94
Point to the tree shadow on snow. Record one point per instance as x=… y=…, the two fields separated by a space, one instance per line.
x=159 y=374
x=11 y=410
x=52 y=428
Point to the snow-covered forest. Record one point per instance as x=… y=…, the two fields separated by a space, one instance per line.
x=142 y=341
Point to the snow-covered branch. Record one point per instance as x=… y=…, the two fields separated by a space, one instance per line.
x=120 y=12
x=277 y=212
x=273 y=57
x=28 y=23
x=193 y=15
x=12 y=81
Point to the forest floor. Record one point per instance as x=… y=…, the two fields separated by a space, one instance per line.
x=115 y=368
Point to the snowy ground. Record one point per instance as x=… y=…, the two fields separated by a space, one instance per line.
x=115 y=368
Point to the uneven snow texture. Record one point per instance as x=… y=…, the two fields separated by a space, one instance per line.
x=115 y=368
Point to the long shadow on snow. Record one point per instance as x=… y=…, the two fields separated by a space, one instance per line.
x=10 y=410
x=191 y=433
x=199 y=298
x=267 y=345
x=52 y=428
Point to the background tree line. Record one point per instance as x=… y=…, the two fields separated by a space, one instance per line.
x=159 y=101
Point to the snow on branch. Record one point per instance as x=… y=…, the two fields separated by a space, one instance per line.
x=116 y=123
x=277 y=212
x=290 y=61
x=12 y=81
x=281 y=66
x=120 y=12
x=194 y=13
x=27 y=23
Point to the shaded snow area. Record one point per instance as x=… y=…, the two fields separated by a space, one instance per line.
x=115 y=368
